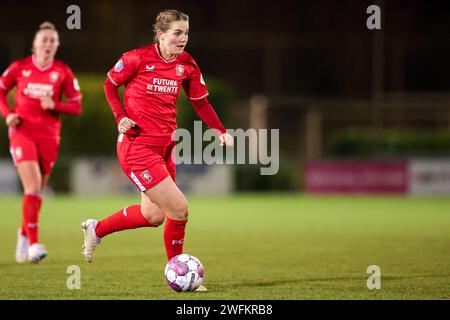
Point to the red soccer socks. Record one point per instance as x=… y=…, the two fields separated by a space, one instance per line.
x=174 y=231
x=31 y=205
x=132 y=218
x=128 y=218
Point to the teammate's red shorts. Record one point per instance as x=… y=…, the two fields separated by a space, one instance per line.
x=26 y=147
x=144 y=165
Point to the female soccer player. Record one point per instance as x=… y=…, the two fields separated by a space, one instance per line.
x=153 y=76
x=34 y=127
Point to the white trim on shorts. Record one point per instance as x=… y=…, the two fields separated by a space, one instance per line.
x=137 y=182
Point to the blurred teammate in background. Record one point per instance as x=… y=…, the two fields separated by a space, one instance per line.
x=34 y=127
x=153 y=76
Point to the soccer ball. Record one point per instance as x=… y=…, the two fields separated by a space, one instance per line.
x=184 y=272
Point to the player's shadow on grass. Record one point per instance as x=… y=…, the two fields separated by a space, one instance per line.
x=291 y=281
x=304 y=280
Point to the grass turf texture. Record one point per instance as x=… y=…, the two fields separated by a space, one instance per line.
x=252 y=246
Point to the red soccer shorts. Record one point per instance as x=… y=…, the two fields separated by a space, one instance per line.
x=144 y=165
x=26 y=147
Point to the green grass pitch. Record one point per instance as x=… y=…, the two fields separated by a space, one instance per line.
x=268 y=246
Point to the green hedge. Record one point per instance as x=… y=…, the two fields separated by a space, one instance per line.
x=248 y=177
x=362 y=142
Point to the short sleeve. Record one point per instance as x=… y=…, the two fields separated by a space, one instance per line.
x=194 y=85
x=125 y=69
x=9 y=77
x=70 y=86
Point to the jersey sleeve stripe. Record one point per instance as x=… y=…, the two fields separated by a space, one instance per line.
x=110 y=78
x=2 y=85
x=76 y=98
x=205 y=95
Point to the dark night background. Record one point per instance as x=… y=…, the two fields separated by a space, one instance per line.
x=309 y=59
x=284 y=47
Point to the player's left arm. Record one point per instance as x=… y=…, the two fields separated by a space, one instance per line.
x=196 y=91
x=209 y=116
x=71 y=90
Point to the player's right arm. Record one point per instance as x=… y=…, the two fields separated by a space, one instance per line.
x=7 y=82
x=123 y=72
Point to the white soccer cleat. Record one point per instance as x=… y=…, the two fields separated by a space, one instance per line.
x=21 y=247
x=201 y=289
x=36 y=253
x=91 y=241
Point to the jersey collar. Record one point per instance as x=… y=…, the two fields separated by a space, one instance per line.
x=161 y=57
x=33 y=58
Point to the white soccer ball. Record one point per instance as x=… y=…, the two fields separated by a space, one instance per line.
x=184 y=272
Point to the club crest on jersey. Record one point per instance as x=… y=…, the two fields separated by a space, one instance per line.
x=119 y=66
x=180 y=70
x=145 y=175
x=26 y=73
x=54 y=76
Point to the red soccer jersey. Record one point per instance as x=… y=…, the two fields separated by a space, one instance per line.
x=152 y=87
x=33 y=82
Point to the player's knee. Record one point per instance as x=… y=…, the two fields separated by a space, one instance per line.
x=154 y=216
x=32 y=189
x=156 y=220
x=180 y=210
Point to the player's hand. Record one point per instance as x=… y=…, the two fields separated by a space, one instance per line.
x=12 y=120
x=126 y=124
x=47 y=103
x=226 y=140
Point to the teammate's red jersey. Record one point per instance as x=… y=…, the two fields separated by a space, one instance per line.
x=33 y=82
x=152 y=87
